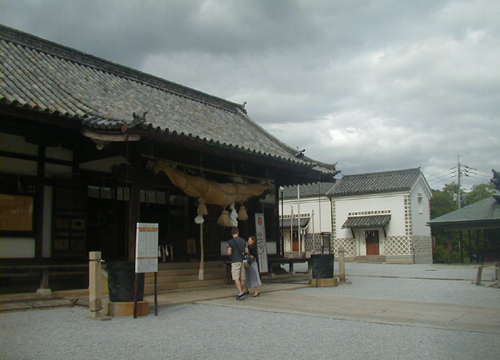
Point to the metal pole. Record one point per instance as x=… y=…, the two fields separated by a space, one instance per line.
x=459 y=200
x=156 y=293
x=299 y=228
x=291 y=230
x=201 y=273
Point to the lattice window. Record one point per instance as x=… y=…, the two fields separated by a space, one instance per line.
x=349 y=245
x=408 y=224
x=334 y=221
x=398 y=245
x=312 y=242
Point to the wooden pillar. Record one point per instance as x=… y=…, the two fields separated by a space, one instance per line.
x=134 y=206
x=341 y=261
x=461 y=247
x=95 y=302
x=40 y=203
x=450 y=247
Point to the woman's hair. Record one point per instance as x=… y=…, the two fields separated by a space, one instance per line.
x=254 y=240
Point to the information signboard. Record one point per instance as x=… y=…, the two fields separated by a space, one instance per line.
x=16 y=213
x=260 y=234
x=146 y=248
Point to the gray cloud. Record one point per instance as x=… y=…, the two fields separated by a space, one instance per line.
x=372 y=85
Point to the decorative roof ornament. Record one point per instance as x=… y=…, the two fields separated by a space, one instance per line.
x=300 y=154
x=138 y=119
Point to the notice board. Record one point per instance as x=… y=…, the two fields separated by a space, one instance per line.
x=146 y=248
x=16 y=213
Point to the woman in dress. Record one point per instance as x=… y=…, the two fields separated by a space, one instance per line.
x=253 y=276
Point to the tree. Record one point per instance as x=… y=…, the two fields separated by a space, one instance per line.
x=479 y=192
x=442 y=202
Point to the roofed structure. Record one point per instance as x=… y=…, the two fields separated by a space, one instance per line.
x=373 y=183
x=109 y=102
x=484 y=214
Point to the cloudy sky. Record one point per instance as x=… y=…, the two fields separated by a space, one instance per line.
x=370 y=85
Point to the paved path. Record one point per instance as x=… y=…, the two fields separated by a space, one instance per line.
x=395 y=312
x=387 y=311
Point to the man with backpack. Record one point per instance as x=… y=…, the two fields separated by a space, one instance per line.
x=236 y=250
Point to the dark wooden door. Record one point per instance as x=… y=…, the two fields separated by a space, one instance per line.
x=295 y=242
x=372 y=242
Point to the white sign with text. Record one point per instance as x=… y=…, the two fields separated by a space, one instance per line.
x=260 y=230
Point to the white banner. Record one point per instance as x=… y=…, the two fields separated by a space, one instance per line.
x=260 y=229
x=146 y=248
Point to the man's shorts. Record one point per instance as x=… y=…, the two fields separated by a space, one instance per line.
x=238 y=271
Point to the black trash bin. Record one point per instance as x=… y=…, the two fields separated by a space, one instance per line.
x=121 y=278
x=322 y=266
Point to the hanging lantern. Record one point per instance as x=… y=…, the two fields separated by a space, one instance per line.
x=199 y=219
x=242 y=213
x=224 y=219
x=202 y=208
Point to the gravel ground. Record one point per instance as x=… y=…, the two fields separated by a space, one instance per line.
x=202 y=331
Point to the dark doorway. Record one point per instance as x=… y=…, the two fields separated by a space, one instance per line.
x=372 y=242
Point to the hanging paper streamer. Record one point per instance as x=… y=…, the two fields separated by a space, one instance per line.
x=233 y=216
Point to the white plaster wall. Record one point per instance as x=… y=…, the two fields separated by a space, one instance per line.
x=393 y=202
x=59 y=171
x=59 y=153
x=420 y=212
x=321 y=220
x=18 y=167
x=14 y=247
x=16 y=144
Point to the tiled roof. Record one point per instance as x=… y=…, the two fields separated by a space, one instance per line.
x=42 y=76
x=482 y=214
x=287 y=223
x=381 y=182
x=309 y=190
x=366 y=221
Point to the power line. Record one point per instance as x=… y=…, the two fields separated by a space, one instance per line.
x=429 y=176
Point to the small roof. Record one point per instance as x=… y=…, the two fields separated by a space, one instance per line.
x=372 y=183
x=366 y=221
x=484 y=214
x=287 y=223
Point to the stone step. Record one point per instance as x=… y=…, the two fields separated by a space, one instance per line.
x=374 y=259
x=184 y=272
x=192 y=275
x=189 y=265
x=184 y=276
x=183 y=285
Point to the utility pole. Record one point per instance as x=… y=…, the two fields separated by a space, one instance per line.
x=299 y=229
x=459 y=196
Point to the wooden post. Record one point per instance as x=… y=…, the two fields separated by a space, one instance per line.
x=95 y=302
x=341 y=265
x=479 y=275
x=450 y=247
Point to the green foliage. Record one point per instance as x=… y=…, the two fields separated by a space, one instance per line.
x=442 y=203
x=479 y=192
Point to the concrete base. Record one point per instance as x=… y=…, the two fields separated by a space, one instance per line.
x=324 y=282
x=125 y=308
x=44 y=292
